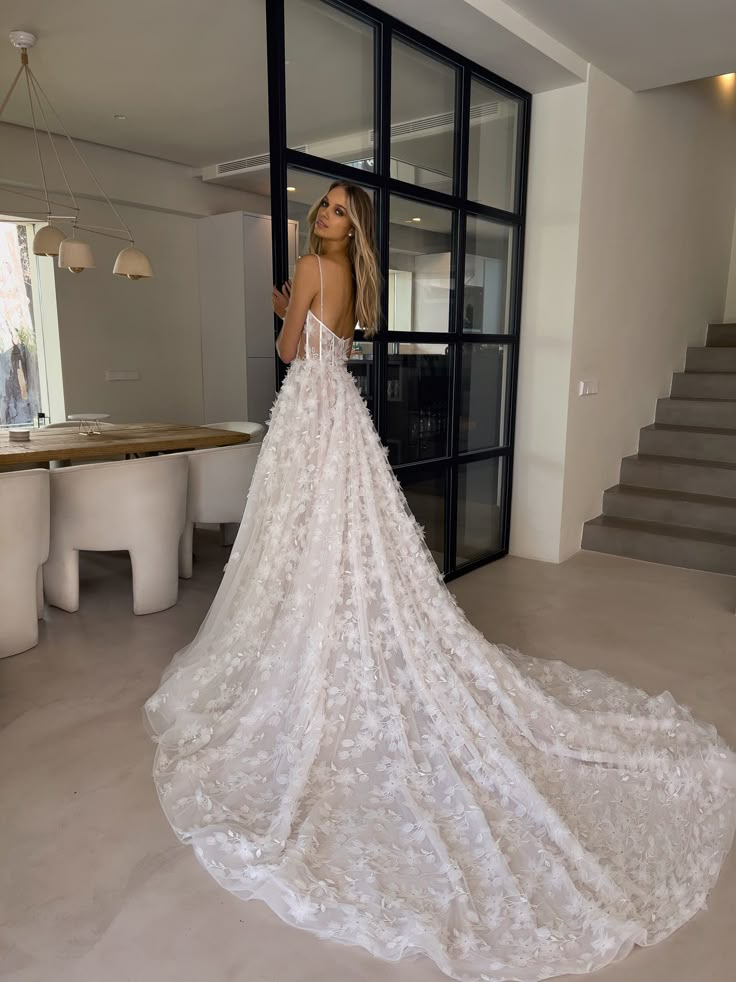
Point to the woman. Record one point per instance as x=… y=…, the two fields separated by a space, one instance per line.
x=340 y=742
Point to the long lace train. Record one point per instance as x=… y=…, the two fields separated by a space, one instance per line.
x=340 y=742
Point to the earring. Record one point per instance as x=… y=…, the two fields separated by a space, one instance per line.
x=350 y=235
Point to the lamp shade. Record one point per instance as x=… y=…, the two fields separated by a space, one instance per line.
x=75 y=256
x=133 y=263
x=47 y=240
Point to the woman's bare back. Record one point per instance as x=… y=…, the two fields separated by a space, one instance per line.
x=338 y=297
x=338 y=300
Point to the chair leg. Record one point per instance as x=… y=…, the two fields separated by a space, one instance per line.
x=155 y=576
x=61 y=578
x=228 y=532
x=39 y=592
x=186 y=547
x=18 y=614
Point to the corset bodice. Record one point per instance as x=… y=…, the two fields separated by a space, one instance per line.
x=322 y=344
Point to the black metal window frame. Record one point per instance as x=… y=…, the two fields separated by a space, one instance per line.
x=384 y=187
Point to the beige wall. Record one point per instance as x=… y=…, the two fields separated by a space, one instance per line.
x=149 y=326
x=659 y=190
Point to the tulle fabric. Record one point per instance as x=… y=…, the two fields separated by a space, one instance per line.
x=339 y=741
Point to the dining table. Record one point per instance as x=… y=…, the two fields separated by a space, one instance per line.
x=68 y=443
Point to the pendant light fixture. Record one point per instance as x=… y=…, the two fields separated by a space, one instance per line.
x=74 y=253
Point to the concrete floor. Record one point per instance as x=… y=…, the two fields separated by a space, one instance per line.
x=95 y=888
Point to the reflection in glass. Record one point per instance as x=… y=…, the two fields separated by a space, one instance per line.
x=324 y=46
x=361 y=367
x=417 y=401
x=488 y=264
x=479 y=497
x=422 y=118
x=494 y=119
x=425 y=492
x=483 y=394
x=420 y=238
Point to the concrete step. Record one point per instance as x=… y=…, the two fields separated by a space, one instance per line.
x=692 y=442
x=698 y=511
x=721 y=335
x=657 y=543
x=679 y=474
x=719 y=413
x=704 y=385
x=713 y=359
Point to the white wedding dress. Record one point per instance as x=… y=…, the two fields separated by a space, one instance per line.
x=339 y=741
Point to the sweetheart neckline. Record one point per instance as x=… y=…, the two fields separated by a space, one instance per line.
x=322 y=323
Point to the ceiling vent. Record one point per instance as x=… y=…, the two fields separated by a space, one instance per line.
x=352 y=146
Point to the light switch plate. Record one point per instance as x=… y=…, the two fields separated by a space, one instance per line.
x=122 y=376
x=588 y=388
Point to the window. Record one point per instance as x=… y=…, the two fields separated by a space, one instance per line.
x=26 y=355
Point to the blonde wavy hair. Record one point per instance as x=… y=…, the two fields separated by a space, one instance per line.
x=361 y=252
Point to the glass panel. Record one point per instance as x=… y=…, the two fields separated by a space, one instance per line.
x=417 y=397
x=483 y=396
x=329 y=83
x=487 y=289
x=479 y=496
x=304 y=189
x=494 y=120
x=420 y=239
x=422 y=119
x=425 y=492
x=362 y=367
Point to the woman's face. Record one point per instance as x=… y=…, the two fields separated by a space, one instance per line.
x=332 y=220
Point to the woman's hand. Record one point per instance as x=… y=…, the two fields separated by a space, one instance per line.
x=280 y=299
x=300 y=296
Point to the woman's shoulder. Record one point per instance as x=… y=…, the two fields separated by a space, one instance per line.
x=333 y=268
x=309 y=263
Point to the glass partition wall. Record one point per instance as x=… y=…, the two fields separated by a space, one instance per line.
x=441 y=145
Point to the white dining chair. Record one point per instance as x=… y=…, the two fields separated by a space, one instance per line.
x=14 y=468
x=24 y=547
x=219 y=480
x=256 y=430
x=135 y=505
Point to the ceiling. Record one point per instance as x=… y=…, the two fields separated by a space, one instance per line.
x=643 y=44
x=191 y=77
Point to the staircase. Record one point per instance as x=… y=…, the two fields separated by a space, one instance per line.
x=676 y=503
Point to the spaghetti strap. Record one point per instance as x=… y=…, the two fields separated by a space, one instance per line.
x=321 y=291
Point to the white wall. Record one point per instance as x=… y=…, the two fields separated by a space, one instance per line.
x=149 y=326
x=548 y=305
x=107 y=323
x=729 y=313
x=656 y=223
x=629 y=241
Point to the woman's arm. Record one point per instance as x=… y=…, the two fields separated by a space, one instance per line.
x=304 y=289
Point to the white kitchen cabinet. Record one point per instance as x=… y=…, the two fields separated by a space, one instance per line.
x=238 y=342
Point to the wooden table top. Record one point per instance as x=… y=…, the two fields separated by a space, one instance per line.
x=67 y=443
